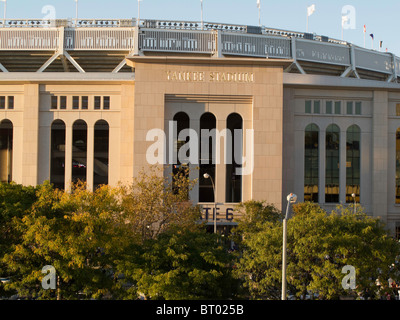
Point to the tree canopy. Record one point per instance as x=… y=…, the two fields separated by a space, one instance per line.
x=319 y=245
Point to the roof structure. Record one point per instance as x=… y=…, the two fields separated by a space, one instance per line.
x=104 y=45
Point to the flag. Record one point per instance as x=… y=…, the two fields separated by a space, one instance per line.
x=310 y=10
x=372 y=36
x=380 y=43
x=258 y=4
x=365 y=29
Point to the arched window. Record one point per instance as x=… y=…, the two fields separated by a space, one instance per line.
x=101 y=153
x=6 y=150
x=332 y=173
x=353 y=164
x=79 y=151
x=57 y=154
x=234 y=124
x=208 y=125
x=398 y=166
x=311 y=163
x=182 y=123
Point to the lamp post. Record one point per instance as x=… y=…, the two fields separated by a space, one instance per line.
x=291 y=198
x=355 y=204
x=207 y=176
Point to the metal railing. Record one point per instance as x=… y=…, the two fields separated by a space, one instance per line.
x=177 y=41
x=29 y=39
x=189 y=37
x=99 y=39
x=256 y=46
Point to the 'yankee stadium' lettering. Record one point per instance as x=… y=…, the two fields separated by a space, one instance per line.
x=197 y=76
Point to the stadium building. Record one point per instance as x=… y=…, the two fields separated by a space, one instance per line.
x=78 y=99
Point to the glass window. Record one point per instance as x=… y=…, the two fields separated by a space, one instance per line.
x=317 y=106
x=6 y=150
x=85 y=102
x=101 y=153
x=75 y=102
x=63 y=102
x=398 y=110
x=311 y=163
x=11 y=102
x=57 y=154
x=329 y=107
x=358 y=108
x=106 y=103
x=208 y=123
x=234 y=124
x=353 y=164
x=338 y=107
x=79 y=151
x=54 y=102
x=2 y=102
x=308 y=106
x=349 y=107
x=332 y=164
x=182 y=123
x=97 y=103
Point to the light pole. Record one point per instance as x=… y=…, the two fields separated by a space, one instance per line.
x=355 y=204
x=207 y=176
x=291 y=198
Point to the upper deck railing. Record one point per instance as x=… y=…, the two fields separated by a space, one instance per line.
x=190 y=37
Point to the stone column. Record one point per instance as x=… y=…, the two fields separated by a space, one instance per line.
x=380 y=154
x=68 y=156
x=30 y=135
x=90 y=157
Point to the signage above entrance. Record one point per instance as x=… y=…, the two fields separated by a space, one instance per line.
x=201 y=76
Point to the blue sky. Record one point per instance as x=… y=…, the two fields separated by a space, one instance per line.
x=380 y=17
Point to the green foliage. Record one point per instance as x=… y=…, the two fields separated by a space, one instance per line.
x=181 y=264
x=15 y=201
x=319 y=245
x=113 y=243
x=255 y=215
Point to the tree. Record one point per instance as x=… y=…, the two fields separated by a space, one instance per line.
x=117 y=242
x=181 y=264
x=254 y=216
x=319 y=246
x=74 y=232
x=15 y=201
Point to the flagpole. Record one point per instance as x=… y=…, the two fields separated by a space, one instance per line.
x=365 y=31
x=76 y=12
x=202 y=21
x=364 y=39
x=138 y=18
x=342 y=29
x=307 y=20
x=5 y=12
